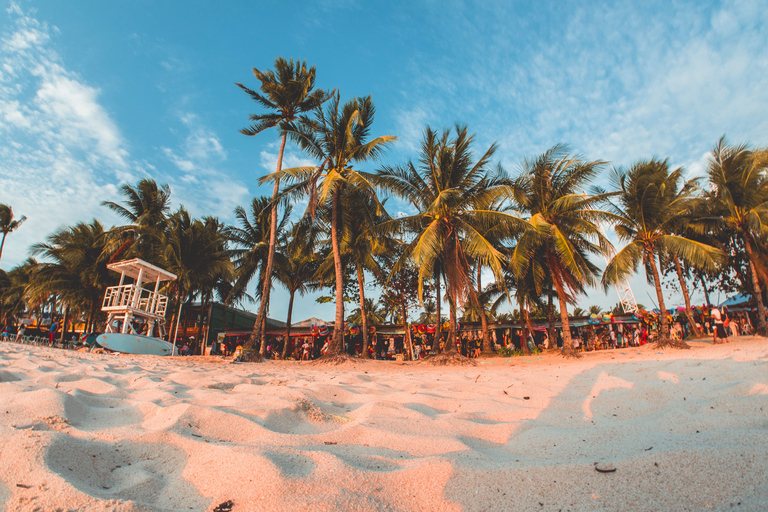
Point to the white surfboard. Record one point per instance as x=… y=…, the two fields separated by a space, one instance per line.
x=135 y=344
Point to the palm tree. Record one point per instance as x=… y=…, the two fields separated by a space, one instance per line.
x=361 y=243
x=146 y=208
x=564 y=230
x=287 y=93
x=338 y=137
x=740 y=198
x=453 y=197
x=196 y=251
x=651 y=199
x=76 y=271
x=296 y=268
x=13 y=298
x=7 y=223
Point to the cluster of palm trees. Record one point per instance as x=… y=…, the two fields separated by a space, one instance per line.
x=536 y=230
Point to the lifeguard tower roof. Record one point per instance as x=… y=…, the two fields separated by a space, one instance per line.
x=150 y=272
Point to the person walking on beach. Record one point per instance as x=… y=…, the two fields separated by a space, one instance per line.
x=719 y=330
x=52 y=331
x=20 y=331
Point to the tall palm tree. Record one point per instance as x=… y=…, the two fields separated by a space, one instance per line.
x=651 y=199
x=452 y=194
x=146 y=208
x=295 y=268
x=7 y=223
x=286 y=93
x=740 y=198
x=337 y=136
x=564 y=230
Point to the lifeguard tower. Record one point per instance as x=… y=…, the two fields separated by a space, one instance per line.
x=125 y=302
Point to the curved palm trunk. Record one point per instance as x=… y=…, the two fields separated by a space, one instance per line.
x=407 y=341
x=364 y=321
x=288 y=325
x=757 y=292
x=568 y=350
x=260 y=319
x=551 y=321
x=483 y=320
x=337 y=345
x=438 y=324
x=2 y=243
x=664 y=325
x=450 y=343
x=686 y=297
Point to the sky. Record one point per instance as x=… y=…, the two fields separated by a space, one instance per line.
x=94 y=95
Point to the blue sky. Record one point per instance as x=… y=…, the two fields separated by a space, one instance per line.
x=96 y=94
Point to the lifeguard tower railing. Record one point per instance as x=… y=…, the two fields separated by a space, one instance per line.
x=137 y=300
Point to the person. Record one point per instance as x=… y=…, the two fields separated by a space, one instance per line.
x=613 y=338
x=185 y=350
x=305 y=348
x=726 y=334
x=52 y=331
x=324 y=349
x=719 y=330
x=20 y=331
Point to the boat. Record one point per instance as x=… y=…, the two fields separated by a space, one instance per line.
x=135 y=344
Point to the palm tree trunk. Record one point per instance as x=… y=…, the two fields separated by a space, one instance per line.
x=337 y=345
x=408 y=344
x=551 y=321
x=438 y=323
x=524 y=327
x=704 y=287
x=364 y=321
x=757 y=292
x=288 y=325
x=483 y=319
x=270 y=255
x=2 y=243
x=64 y=325
x=686 y=297
x=664 y=326
x=450 y=343
x=568 y=350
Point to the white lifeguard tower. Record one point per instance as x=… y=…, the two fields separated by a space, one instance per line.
x=125 y=302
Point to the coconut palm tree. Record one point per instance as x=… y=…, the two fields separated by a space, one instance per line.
x=740 y=198
x=76 y=268
x=337 y=136
x=13 y=298
x=7 y=223
x=146 y=208
x=295 y=268
x=196 y=251
x=651 y=199
x=453 y=195
x=564 y=229
x=286 y=93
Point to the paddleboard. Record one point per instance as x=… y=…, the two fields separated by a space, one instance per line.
x=135 y=344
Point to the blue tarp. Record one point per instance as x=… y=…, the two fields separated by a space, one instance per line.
x=739 y=299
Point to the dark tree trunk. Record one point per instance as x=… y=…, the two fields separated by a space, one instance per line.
x=483 y=319
x=438 y=324
x=568 y=350
x=706 y=292
x=551 y=321
x=288 y=324
x=337 y=345
x=450 y=343
x=686 y=297
x=364 y=321
x=267 y=285
x=664 y=339
x=407 y=342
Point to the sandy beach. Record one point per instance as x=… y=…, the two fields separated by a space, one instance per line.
x=684 y=430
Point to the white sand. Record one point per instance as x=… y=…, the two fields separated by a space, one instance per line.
x=685 y=430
